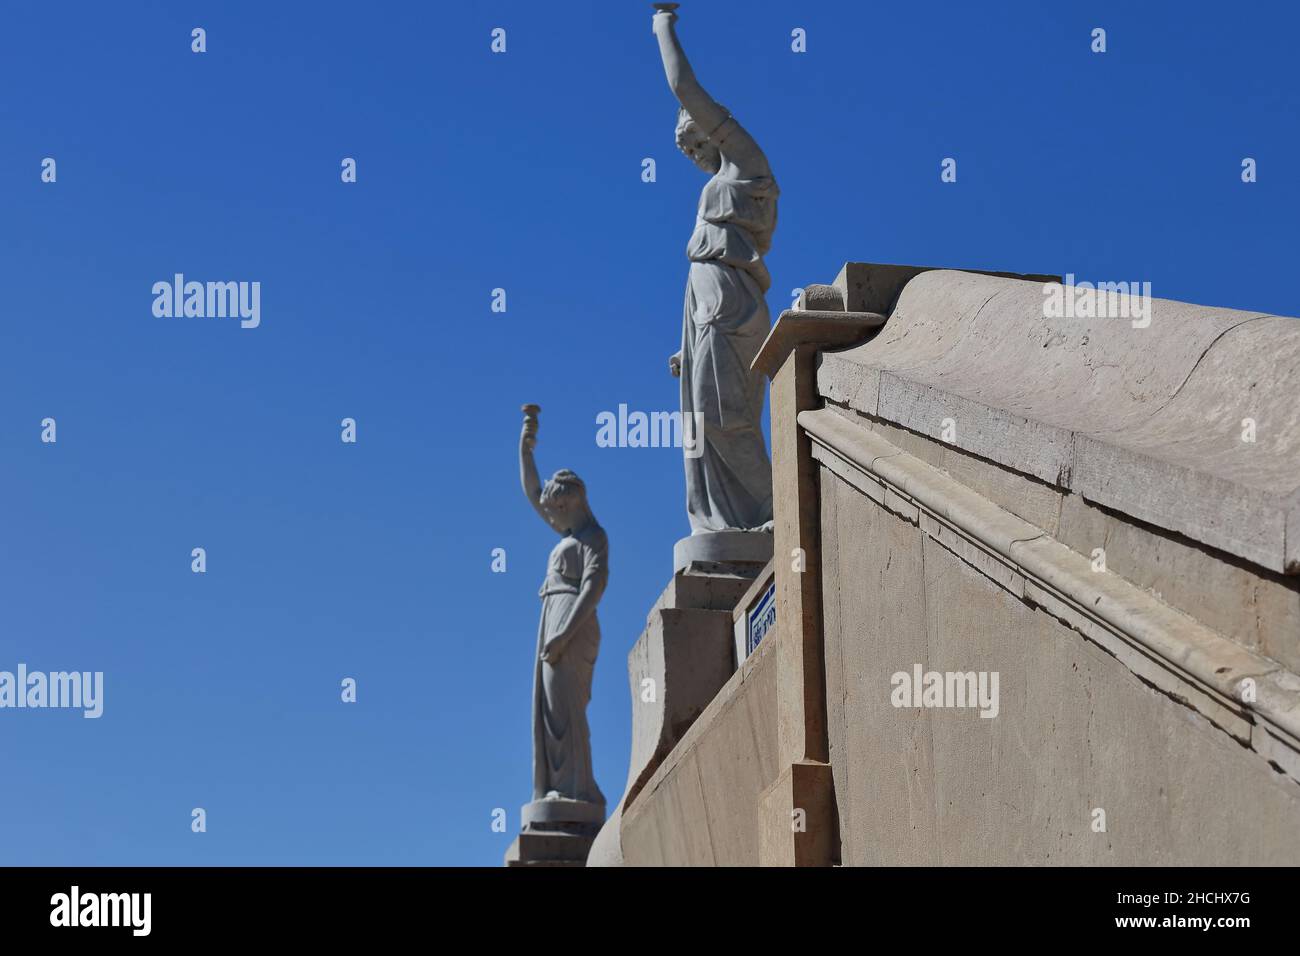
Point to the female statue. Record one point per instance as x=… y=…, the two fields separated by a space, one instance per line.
x=568 y=636
x=729 y=480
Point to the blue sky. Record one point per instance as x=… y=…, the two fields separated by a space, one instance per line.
x=476 y=171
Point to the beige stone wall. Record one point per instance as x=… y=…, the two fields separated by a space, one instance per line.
x=700 y=807
x=1076 y=729
x=1259 y=609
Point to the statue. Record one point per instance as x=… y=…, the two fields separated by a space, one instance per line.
x=725 y=320
x=568 y=637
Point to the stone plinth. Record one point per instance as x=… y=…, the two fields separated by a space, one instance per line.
x=677 y=667
x=548 y=848
x=556 y=832
x=741 y=553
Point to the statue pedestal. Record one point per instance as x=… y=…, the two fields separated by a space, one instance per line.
x=556 y=832
x=556 y=813
x=686 y=653
x=724 y=552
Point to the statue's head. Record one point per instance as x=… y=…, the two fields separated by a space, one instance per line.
x=692 y=141
x=564 y=496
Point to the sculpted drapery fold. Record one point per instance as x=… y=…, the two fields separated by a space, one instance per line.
x=724 y=317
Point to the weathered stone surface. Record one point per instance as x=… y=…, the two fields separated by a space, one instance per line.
x=820 y=298
x=684 y=658
x=548 y=848
x=701 y=806
x=674 y=669
x=1203 y=665
x=797 y=823
x=862 y=543
x=1260 y=610
x=1186 y=467
x=1146 y=420
x=875 y=287
x=1077 y=729
x=607 y=848
x=703 y=588
x=1037 y=502
x=801 y=717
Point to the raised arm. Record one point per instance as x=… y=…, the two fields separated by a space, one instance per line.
x=528 y=478
x=707 y=113
x=734 y=143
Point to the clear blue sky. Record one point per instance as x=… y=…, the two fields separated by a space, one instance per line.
x=479 y=171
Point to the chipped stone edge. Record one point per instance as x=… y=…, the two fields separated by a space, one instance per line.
x=1165 y=648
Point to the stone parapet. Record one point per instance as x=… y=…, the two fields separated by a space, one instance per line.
x=1185 y=419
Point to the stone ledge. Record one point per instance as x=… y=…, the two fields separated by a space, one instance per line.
x=795 y=327
x=1169 y=650
x=1146 y=421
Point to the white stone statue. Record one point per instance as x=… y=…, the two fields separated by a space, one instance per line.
x=729 y=481
x=568 y=639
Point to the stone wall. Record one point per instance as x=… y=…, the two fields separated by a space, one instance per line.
x=700 y=807
x=1078 y=727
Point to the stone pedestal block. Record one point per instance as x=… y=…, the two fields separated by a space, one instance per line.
x=548 y=848
x=798 y=822
x=561 y=813
x=556 y=832
x=681 y=660
x=736 y=552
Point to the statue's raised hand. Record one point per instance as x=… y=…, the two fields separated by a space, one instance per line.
x=675 y=364
x=664 y=20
